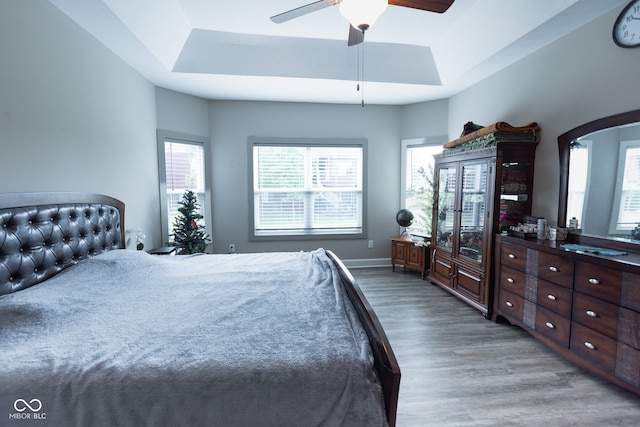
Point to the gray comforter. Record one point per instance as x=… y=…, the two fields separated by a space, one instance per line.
x=130 y=339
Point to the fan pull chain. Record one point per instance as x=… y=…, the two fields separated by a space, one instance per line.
x=362 y=72
x=361 y=69
x=358 y=71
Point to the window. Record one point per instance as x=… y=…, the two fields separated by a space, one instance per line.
x=417 y=181
x=307 y=188
x=627 y=201
x=578 y=179
x=182 y=167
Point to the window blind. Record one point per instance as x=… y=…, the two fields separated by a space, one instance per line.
x=307 y=189
x=578 y=179
x=629 y=215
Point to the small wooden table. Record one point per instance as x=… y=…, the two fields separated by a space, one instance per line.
x=406 y=253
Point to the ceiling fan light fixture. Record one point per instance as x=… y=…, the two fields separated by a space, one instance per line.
x=362 y=13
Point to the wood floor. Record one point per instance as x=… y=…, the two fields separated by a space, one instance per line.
x=459 y=369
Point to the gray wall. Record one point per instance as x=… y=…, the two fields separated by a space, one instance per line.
x=424 y=120
x=579 y=78
x=232 y=122
x=82 y=120
x=182 y=113
x=73 y=117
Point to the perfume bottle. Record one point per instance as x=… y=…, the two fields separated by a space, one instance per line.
x=573 y=223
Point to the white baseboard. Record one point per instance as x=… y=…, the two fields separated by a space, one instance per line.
x=367 y=263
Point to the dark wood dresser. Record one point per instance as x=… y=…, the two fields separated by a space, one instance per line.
x=582 y=305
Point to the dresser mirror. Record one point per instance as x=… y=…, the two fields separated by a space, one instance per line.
x=600 y=178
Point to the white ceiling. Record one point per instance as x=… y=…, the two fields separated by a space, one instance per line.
x=221 y=49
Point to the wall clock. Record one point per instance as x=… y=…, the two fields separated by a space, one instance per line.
x=626 y=30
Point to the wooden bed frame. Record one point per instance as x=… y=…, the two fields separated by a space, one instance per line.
x=43 y=233
x=385 y=360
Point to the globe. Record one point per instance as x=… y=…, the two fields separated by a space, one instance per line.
x=404 y=217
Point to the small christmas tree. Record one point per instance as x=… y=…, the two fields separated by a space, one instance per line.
x=189 y=236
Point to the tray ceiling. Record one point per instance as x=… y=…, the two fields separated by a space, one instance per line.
x=231 y=50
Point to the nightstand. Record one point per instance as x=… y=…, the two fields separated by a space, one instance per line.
x=165 y=250
x=406 y=253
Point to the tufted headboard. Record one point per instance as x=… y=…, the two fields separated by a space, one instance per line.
x=41 y=234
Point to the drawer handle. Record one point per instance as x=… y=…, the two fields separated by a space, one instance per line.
x=589 y=345
x=551 y=297
x=508 y=304
x=554 y=269
x=594 y=281
x=512 y=256
x=510 y=280
x=592 y=313
x=550 y=325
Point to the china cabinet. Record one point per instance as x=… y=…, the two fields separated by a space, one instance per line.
x=477 y=193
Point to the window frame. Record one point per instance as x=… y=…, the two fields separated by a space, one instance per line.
x=572 y=208
x=182 y=138
x=253 y=141
x=614 y=227
x=406 y=144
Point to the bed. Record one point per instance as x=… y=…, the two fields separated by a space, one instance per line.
x=92 y=334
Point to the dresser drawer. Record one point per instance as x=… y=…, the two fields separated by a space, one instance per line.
x=553 y=326
x=594 y=346
x=514 y=256
x=513 y=280
x=596 y=314
x=442 y=268
x=554 y=297
x=469 y=281
x=597 y=281
x=511 y=305
x=556 y=269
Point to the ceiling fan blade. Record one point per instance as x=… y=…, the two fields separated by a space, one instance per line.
x=303 y=10
x=437 y=6
x=356 y=36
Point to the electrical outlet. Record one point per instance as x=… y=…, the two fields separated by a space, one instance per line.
x=370 y=244
x=232 y=248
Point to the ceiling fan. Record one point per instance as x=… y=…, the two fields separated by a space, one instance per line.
x=362 y=13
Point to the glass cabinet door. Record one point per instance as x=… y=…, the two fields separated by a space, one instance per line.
x=514 y=200
x=473 y=209
x=445 y=209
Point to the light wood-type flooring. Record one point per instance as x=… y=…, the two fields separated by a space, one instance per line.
x=460 y=369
